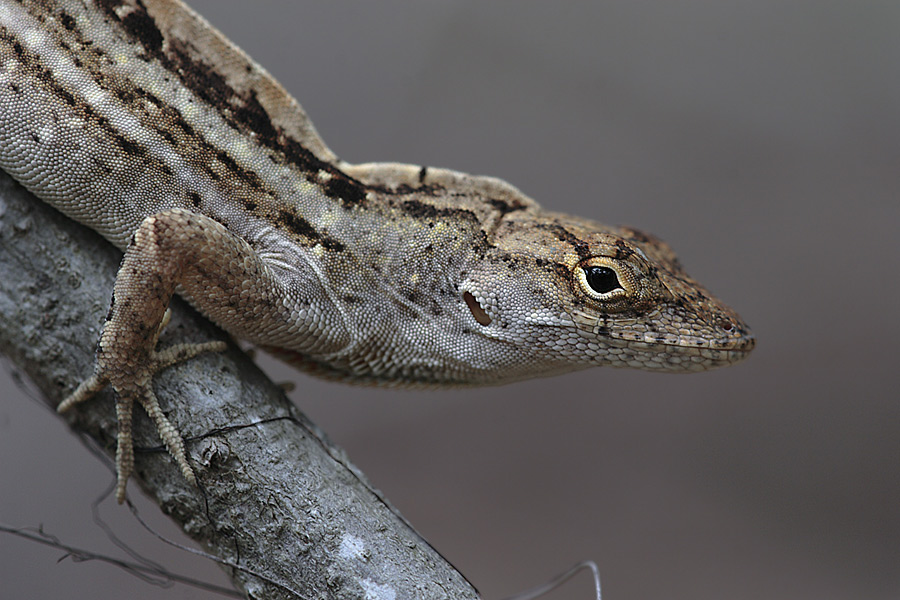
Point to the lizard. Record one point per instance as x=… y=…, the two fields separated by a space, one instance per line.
x=140 y=120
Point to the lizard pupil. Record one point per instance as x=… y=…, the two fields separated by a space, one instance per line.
x=602 y=279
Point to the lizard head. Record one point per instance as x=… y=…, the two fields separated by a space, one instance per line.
x=580 y=293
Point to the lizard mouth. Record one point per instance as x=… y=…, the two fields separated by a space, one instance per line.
x=674 y=352
x=690 y=354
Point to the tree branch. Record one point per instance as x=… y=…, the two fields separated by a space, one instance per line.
x=277 y=498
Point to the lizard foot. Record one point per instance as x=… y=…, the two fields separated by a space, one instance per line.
x=136 y=386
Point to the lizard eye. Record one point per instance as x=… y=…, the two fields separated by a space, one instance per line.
x=602 y=279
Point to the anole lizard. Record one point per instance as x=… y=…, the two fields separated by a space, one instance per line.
x=140 y=120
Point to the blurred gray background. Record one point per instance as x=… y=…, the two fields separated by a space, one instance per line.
x=761 y=139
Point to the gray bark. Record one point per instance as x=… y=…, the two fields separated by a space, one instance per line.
x=276 y=497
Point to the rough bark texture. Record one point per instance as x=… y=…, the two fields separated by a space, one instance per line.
x=277 y=497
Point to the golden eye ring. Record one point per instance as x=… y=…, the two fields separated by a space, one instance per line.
x=603 y=280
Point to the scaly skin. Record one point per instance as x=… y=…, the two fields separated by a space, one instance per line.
x=141 y=121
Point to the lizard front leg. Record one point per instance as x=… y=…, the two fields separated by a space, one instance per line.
x=219 y=271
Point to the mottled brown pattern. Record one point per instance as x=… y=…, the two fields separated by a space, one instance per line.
x=138 y=119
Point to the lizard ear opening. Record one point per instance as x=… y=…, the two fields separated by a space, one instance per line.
x=477 y=312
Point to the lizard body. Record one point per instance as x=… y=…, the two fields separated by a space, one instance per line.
x=141 y=121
